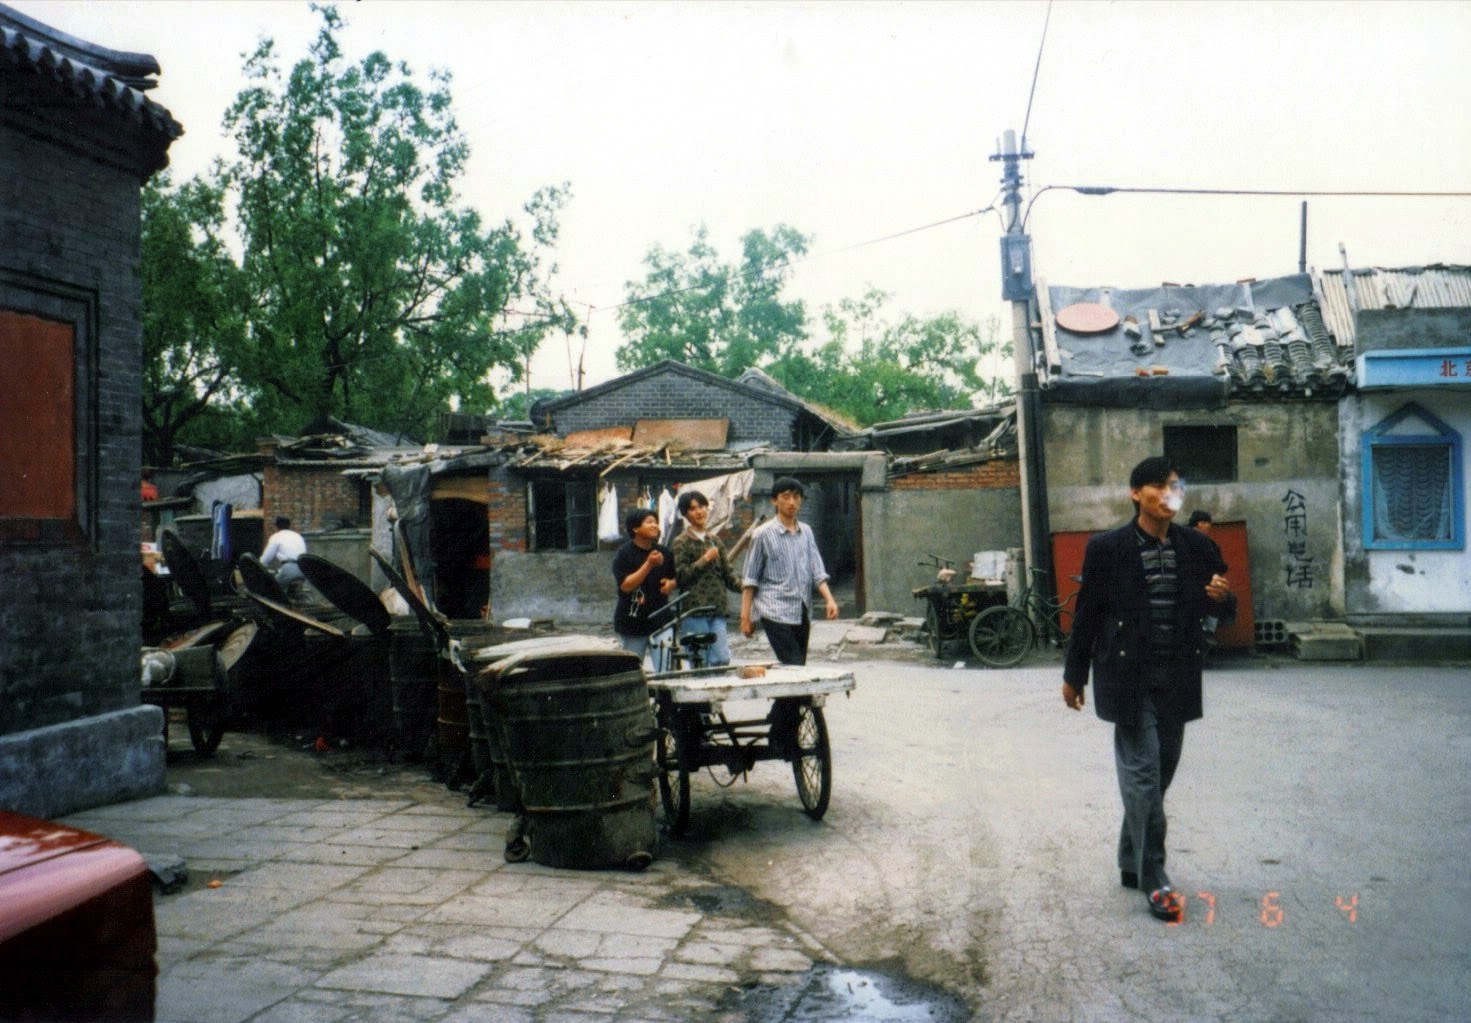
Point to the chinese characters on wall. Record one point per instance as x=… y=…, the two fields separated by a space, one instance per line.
x=1298 y=563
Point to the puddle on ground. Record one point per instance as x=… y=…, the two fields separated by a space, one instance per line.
x=833 y=994
x=724 y=900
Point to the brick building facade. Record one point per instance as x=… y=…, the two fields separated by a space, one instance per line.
x=77 y=141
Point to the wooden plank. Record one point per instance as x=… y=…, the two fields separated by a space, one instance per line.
x=689 y=434
x=460 y=488
x=781 y=681
x=1052 y=356
x=598 y=438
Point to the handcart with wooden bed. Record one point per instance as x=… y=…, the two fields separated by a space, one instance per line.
x=696 y=733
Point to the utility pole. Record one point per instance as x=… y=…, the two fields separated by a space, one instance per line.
x=1016 y=287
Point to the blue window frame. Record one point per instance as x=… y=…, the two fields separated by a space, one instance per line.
x=1413 y=491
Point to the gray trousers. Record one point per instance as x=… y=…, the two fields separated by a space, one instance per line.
x=1146 y=752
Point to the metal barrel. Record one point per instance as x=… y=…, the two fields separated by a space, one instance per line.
x=480 y=741
x=413 y=665
x=361 y=691
x=452 y=724
x=578 y=734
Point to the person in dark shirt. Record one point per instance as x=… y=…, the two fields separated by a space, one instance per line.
x=644 y=572
x=1147 y=586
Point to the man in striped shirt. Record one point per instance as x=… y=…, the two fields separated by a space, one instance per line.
x=1147 y=586
x=782 y=569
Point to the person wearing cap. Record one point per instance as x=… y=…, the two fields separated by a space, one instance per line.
x=644 y=572
x=782 y=570
x=705 y=574
x=1201 y=522
x=1146 y=587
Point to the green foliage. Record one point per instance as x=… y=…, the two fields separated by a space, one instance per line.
x=872 y=369
x=194 y=314
x=518 y=405
x=724 y=318
x=373 y=296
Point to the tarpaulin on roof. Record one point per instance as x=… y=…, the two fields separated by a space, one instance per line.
x=1165 y=369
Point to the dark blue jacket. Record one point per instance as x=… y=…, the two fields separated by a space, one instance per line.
x=1111 y=623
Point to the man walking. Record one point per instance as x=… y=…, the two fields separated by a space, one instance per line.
x=1147 y=586
x=781 y=571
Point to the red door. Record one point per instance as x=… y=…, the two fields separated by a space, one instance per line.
x=1067 y=561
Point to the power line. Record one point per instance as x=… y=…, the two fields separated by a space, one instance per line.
x=1035 y=70
x=788 y=264
x=1299 y=193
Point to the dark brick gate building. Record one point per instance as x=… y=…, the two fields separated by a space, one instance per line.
x=77 y=140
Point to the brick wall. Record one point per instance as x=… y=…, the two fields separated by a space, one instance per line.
x=313 y=498
x=71 y=606
x=507 y=512
x=672 y=395
x=992 y=475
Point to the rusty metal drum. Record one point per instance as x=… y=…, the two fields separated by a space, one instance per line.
x=578 y=733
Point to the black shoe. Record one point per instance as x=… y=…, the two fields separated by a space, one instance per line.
x=1165 y=904
x=1128 y=879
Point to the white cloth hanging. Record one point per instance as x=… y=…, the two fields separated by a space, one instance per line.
x=668 y=515
x=610 y=530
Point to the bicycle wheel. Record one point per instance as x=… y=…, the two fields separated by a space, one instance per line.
x=674 y=774
x=1000 y=636
x=812 y=764
x=1062 y=627
x=933 y=640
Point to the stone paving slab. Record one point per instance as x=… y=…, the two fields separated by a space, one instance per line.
x=368 y=910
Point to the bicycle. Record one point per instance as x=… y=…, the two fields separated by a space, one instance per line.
x=677 y=651
x=1002 y=636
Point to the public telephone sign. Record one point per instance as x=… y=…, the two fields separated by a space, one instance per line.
x=1415 y=367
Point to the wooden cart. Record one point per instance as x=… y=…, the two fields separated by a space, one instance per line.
x=695 y=732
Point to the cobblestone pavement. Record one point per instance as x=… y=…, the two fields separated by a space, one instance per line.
x=371 y=909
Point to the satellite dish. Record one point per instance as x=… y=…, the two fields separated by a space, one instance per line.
x=1087 y=318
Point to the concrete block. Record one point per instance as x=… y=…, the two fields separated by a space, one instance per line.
x=865 y=634
x=92 y=761
x=1324 y=641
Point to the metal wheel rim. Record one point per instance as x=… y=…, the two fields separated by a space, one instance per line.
x=1000 y=637
x=812 y=765
x=674 y=778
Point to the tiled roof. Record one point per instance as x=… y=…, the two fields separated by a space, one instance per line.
x=753 y=384
x=108 y=78
x=1439 y=286
x=1179 y=344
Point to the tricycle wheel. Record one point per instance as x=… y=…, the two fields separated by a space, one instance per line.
x=674 y=772
x=933 y=640
x=1000 y=636
x=206 y=727
x=812 y=763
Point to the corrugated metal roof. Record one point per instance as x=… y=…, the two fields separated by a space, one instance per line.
x=110 y=78
x=1438 y=286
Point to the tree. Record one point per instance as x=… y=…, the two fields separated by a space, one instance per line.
x=373 y=295
x=694 y=309
x=194 y=307
x=871 y=369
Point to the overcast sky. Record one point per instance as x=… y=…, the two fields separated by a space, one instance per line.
x=853 y=121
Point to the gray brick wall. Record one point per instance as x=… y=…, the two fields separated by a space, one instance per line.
x=672 y=395
x=70 y=606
